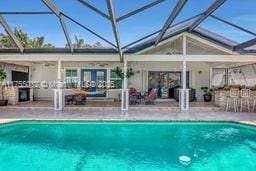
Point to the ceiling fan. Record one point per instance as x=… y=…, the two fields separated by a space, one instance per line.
x=47 y=64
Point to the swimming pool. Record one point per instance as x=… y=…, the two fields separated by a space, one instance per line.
x=124 y=146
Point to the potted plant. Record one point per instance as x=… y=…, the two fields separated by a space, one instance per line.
x=2 y=78
x=118 y=71
x=207 y=93
x=253 y=88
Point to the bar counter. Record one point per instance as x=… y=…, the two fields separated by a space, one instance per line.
x=220 y=96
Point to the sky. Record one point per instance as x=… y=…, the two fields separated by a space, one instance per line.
x=240 y=12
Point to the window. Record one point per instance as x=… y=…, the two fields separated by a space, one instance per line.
x=116 y=80
x=218 y=77
x=243 y=75
x=71 y=78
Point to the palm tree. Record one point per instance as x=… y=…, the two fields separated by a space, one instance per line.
x=80 y=43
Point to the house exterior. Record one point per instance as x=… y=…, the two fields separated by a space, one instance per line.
x=177 y=60
x=200 y=55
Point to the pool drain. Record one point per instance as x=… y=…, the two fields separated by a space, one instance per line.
x=185 y=160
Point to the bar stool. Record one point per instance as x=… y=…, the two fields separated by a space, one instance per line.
x=254 y=103
x=232 y=98
x=245 y=99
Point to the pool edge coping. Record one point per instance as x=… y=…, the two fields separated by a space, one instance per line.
x=10 y=121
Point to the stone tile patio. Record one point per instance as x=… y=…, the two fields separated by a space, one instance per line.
x=8 y=114
x=106 y=104
x=107 y=110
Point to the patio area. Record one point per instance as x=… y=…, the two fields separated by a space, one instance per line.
x=101 y=105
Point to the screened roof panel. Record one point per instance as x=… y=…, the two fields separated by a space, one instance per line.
x=87 y=17
x=173 y=31
x=6 y=44
x=225 y=30
x=89 y=40
x=251 y=48
x=191 y=8
x=22 y=5
x=100 y=4
x=131 y=29
x=29 y=24
x=124 y=6
x=239 y=12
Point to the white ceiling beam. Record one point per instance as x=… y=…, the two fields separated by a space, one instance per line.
x=134 y=58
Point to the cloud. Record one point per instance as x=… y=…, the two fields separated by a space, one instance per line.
x=246 y=18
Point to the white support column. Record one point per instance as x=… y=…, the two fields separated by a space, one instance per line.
x=125 y=91
x=58 y=92
x=210 y=76
x=184 y=92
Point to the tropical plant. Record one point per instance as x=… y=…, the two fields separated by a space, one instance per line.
x=207 y=91
x=27 y=42
x=80 y=43
x=119 y=72
x=2 y=78
x=254 y=87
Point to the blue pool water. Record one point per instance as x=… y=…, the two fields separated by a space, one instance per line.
x=126 y=146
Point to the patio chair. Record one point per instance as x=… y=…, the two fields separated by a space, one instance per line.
x=79 y=99
x=245 y=99
x=132 y=96
x=69 y=99
x=149 y=99
x=132 y=91
x=254 y=102
x=232 y=98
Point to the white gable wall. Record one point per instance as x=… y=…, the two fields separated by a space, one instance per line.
x=195 y=46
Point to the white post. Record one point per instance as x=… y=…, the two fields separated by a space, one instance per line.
x=210 y=76
x=184 y=92
x=125 y=91
x=58 y=92
x=184 y=73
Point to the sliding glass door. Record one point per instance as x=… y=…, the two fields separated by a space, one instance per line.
x=165 y=81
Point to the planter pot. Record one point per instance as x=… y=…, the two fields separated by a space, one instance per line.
x=3 y=102
x=207 y=98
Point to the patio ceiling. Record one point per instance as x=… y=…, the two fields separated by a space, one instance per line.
x=192 y=24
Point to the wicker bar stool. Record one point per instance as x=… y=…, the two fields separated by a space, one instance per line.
x=245 y=99
x=232 y=99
